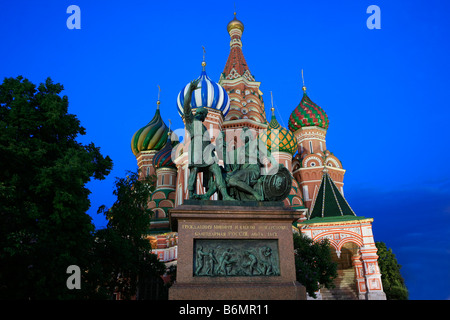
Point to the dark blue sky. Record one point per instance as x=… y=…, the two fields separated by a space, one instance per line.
x=385 y=92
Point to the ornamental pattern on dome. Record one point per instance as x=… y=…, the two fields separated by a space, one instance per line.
x=209 y=95
x=277 y=137
x=307 y=114
x=163 y=158
x=153 y=136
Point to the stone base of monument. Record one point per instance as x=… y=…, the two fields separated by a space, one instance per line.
x=235 y=250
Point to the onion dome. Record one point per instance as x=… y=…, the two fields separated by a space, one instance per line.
x=163 y=158
x=153 y=136
x=235 y=24
x=307 y=114
x=278 y=137
x=209 y=94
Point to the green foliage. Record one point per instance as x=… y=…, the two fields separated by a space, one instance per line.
x=123 y=252
x=393 y=283
x=44 y=227
x=313 y=263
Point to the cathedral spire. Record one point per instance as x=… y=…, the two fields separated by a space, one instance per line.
x=157 y=101
x=303 y=80
x=236 y=65
x=204 y=59
x=246 y=104
x=272 y=109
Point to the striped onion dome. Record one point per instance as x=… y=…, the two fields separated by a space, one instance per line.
x=163 y=158
x=277 y=137
x=152 y=136
x=209 y=95
x=307 y=114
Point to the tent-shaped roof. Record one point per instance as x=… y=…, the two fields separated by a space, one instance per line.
x=329 y=201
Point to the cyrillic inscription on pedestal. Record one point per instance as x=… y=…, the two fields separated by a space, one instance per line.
x=230 y=257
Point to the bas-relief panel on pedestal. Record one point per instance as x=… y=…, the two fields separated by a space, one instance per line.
x=227 y=258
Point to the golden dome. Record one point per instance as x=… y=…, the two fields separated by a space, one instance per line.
x=235 y=24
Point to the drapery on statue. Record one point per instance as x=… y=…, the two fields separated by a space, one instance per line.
x=201 y=151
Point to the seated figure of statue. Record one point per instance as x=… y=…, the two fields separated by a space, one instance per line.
x=245 y=179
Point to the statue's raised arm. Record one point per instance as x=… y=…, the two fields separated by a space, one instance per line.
x=188 y=115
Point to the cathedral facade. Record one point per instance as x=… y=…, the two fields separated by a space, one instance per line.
x=234 y=103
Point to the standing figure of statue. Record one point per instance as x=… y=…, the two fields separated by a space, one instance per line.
x=201 y=152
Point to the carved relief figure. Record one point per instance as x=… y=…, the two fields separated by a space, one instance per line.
x=211 y=263
x=225 y=261
x=200 y=260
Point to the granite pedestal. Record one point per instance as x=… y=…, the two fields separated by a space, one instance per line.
x=235 y=251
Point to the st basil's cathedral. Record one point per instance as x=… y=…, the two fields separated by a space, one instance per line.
x=236 y=102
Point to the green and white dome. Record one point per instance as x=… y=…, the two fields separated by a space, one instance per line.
x=152 y=136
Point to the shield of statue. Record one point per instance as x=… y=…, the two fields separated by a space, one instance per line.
x=277 y=184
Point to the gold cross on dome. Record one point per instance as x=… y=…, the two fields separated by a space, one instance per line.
x=303 y=80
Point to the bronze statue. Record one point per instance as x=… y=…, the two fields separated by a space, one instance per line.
x=247 y=177
x=241 y=178
x=201 y=152
x=246 y=170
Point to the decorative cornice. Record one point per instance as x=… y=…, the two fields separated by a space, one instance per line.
x=236 y=81
x=239 y=122
x=308 y=224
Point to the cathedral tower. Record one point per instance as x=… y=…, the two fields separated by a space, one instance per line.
x=351 y=240
x=282 y=144
x=309 y=123
x=147 y=141
x=246 y=103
